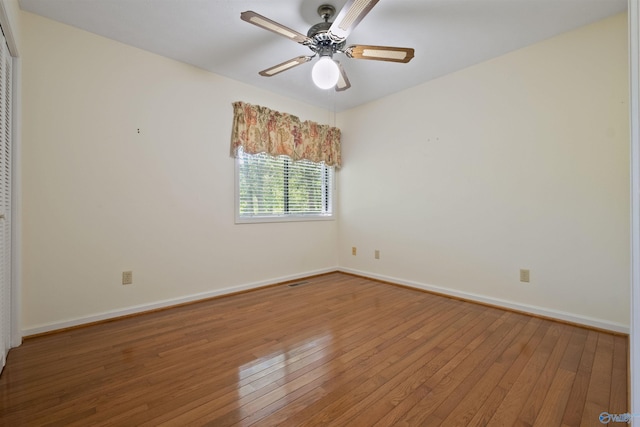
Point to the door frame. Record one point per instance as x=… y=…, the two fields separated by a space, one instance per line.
x=634 y=133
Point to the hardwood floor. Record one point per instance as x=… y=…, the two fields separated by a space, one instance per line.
x=340 y=350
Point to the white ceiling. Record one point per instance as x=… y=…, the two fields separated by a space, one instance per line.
x=447 y=35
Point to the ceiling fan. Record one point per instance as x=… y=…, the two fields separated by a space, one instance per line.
x=327 y=38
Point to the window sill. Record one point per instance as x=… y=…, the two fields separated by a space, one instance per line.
x=284 y=218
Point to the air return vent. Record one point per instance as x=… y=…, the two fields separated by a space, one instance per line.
x=293 y=285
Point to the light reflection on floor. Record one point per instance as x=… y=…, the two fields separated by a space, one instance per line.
x=278 y=375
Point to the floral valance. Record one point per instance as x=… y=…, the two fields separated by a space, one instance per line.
x=260 y=130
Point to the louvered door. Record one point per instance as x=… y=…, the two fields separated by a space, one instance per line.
x=5 y=199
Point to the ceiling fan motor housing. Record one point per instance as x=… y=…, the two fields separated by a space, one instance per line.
x=323 y=43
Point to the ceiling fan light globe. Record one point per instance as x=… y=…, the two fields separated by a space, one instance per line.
x=325 y=73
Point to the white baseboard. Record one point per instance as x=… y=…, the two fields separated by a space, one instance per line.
x=112 y=314
x=539 y=311
x=553 y=314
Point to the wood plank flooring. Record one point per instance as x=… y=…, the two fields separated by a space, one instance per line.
x=340 y=351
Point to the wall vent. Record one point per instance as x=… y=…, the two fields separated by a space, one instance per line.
x=293 y=285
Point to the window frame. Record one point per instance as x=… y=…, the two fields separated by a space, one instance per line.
x=331 y=187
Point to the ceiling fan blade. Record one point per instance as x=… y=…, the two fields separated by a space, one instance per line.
x=266 y=23
x=380 y=53
x=350 y=15
x=286 y=65
x=343 y=80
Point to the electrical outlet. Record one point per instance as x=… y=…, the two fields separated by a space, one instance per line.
x=354 y=250
x=524 y=275
x=376 y=254
x=127 y=277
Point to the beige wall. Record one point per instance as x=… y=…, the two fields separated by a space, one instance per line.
x=100 y=198
x=518 y=162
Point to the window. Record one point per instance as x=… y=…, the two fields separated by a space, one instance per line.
x=277 y=189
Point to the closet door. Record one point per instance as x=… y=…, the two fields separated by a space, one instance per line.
x=5 y=200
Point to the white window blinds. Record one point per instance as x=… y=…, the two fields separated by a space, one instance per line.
x=277 y=188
